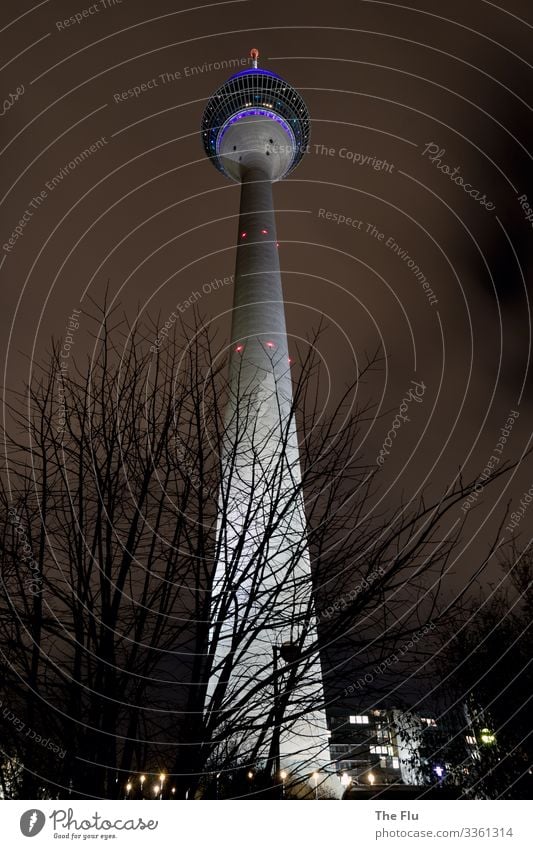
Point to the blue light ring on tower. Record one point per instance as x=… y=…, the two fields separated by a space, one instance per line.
x=229 y=98
x=262 y=71
x=244 y=113
x=253 y=87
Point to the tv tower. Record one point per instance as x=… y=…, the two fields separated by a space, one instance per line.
x=255 y=130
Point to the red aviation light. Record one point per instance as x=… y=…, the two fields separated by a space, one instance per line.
x=239 y=348
x=243 y=235
x=264 y=232
x=270 y=344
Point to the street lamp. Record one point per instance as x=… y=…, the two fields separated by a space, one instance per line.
x=250 y=774
x=283 y=776
x=290 y=653
x=143 y=779
x=162 y=780
x=371 y=778
x=315 y=777
x=346 y=780
x=128 y=789
x=156 y=790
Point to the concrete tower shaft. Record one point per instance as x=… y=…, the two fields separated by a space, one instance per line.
x=258 y=337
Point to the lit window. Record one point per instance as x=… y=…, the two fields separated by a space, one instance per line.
x=427 y=721
x=470 y=740
x=396 y=763
x=359 y=720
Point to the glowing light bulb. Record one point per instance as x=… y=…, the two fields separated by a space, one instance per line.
x=487 y=737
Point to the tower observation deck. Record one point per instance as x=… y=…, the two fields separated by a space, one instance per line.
x=255 y=119
x=255 y=130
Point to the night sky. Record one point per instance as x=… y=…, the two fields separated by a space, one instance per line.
x=420 y=140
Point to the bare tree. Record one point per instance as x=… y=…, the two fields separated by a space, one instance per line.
x=121 y=634
x=485 y=663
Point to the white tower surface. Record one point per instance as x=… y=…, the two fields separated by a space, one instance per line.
x=255 y=130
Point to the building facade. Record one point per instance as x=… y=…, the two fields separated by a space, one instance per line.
x=385 y=746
